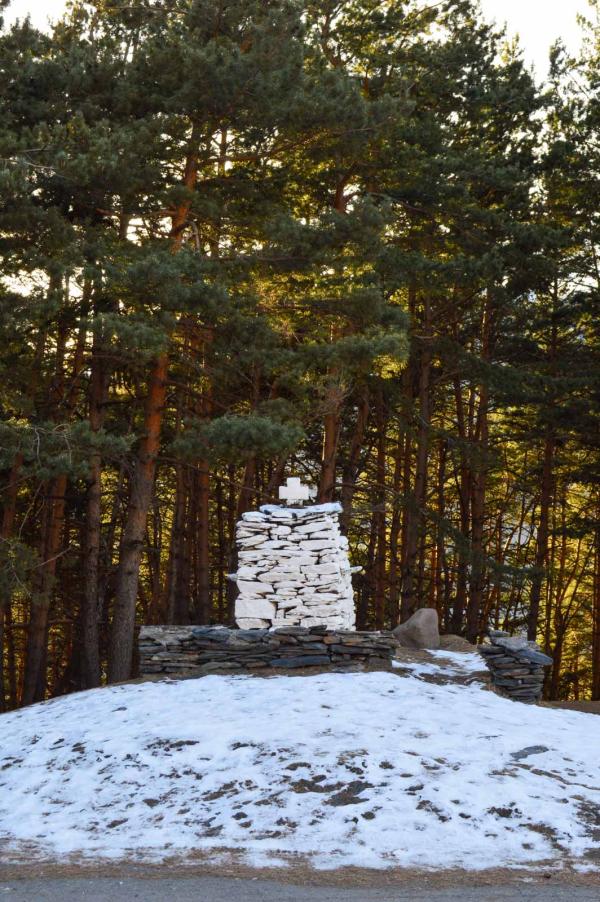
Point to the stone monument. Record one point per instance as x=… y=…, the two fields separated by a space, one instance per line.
x=293 y=565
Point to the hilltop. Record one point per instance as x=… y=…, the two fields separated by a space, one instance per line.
x=411 y=768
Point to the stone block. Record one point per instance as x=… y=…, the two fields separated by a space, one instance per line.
x=254 y=517
x=291 y=631
x=256 y=608
x=254 y=587
x=321 y=570
x=252 y=623
x=316 y=545
x=319 y=611
x=270 y=576
x=287 y=603
x=247 y=572
x=314 y=526
x=255 y=541
x=535 y=657
x=246 y=533
x=323 y=597
x=301 y=661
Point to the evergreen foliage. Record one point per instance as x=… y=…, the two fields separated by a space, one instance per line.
x=350 y=239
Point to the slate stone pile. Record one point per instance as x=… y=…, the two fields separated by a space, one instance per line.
x=197 y=650
x=516 y=665
x=293 y=569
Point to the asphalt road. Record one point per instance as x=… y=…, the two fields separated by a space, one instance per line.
x=215 y=889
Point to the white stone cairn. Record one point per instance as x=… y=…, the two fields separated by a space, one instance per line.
x=294 y=568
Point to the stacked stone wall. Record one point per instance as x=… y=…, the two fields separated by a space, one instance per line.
x=198 y=650
x=517 y=667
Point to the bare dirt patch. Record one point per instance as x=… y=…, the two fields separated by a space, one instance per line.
x=585 y=707
x=229 y=864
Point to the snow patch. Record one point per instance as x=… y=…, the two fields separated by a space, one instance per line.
x=448 y=664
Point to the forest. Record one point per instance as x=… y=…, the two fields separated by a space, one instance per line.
x=355 y=241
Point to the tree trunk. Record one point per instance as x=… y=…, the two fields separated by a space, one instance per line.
x=91 y=550
x=177 y=600
x=464 y=498
x=541 y=553
x=142 y=483
x=246 y=497
x=366 y=590
x=478 y=490
x=92 y=536
x=334 y=393
x=222 y=545
x=596 y=617
x=476 y=588
x=379 y=515
x=331 y=436
x=203 y=594
x=394 y=590
x=203 y=478
x=557 y=657
x=440 y=600
x=9 y=511
x=416 y=500
x=8 y=518
x=34 y=682
x=352 y=466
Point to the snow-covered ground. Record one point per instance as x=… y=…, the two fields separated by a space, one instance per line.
x=373 y=770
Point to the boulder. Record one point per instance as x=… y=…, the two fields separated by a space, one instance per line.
x=420 y=631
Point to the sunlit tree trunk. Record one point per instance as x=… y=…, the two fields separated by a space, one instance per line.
x=142 y=480
x=541 y=551
x=379 y=516
x=140 y=497
x=417 y=498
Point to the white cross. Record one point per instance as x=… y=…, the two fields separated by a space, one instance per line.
x=294 y=491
